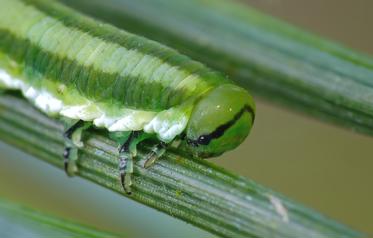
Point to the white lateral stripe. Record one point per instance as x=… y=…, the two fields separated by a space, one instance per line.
x=47 y=103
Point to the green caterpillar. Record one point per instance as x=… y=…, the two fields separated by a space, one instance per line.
x=90 y=73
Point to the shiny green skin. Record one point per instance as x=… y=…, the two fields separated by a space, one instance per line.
x=116 y=68
x=219 y=107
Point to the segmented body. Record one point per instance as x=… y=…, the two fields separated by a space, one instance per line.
x=73 y=66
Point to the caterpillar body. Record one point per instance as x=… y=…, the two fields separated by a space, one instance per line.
x=71 y=66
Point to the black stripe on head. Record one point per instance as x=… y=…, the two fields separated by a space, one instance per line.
x=219 y=131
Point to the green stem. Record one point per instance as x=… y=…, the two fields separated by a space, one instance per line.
x=193 y=190
x=266 y=56
x=18 y=221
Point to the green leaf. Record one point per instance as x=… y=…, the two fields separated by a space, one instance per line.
x=19 y=221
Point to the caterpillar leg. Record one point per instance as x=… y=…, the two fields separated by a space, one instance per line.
x=156 y=152
x=126 y=165
x=73 y=136
x=127 y=151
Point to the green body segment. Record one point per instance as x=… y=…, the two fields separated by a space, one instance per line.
x=124 y=82
x=103 y=63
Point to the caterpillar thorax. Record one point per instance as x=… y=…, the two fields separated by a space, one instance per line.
x=70 y=65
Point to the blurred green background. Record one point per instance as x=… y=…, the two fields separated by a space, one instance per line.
x=320 y=165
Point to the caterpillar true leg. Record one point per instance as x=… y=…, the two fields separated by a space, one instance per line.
x=73 y=136
x=127 y=151
x=156 y=152
x=126 y=163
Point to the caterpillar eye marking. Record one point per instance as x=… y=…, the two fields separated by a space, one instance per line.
x=87 y=73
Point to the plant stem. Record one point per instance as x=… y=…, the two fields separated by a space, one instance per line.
x=190 y=189
x=266 y=56
x=19 y=221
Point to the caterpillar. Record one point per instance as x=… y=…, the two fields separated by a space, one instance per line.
x=88 y=73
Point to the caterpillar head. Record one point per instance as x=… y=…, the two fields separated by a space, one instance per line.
x=220 y=121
